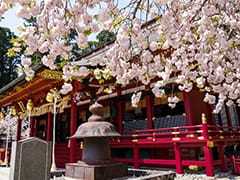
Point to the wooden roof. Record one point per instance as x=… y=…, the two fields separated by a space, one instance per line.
x=22 y=90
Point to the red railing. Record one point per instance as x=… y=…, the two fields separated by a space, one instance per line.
x=201 y=136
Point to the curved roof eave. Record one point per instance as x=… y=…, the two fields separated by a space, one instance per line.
x=18 y=80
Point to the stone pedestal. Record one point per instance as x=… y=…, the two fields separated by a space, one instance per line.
x=83 y=171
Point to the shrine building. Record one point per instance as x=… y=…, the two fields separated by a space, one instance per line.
x=153 y=134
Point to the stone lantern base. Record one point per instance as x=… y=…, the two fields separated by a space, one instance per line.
x=83 y=171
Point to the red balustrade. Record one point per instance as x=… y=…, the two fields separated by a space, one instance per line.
x=201 y=136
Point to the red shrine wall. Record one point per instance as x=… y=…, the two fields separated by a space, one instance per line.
x=194 y=107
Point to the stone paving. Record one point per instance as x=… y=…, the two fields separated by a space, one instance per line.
x=4 y=175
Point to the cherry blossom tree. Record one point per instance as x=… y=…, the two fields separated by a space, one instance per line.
x=194 y=42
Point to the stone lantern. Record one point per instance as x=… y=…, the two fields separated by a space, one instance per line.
x=96 y=161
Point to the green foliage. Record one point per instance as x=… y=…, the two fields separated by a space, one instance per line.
x=8 y=57
x=102 y=39
x=105 y=37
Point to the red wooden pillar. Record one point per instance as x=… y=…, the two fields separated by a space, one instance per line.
x=150 y=105
x=49 y=127
x=120 y=113
x=178 y=158
x=19 y=129
x=73 y=128
x=136 y=156
x=194 y=107
x=208 y=160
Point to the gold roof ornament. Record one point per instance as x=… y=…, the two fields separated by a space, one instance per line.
x=29 y=105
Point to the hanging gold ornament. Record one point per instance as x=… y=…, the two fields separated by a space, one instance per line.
x=13 y=111
x=29 y=105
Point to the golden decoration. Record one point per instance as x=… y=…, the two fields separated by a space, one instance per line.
x=29 y=105
x=204 y=119
x=38 y=111
x=53 y=94
x=1 y=116
x=21 y=115
x=81 y=145
x=50 y=74
x=49 y=97
x=210 y=144
x=13 y=111
x=48 y=107
x=21 y=105
x=64 y=103
x=193 y=167
x=18 y=88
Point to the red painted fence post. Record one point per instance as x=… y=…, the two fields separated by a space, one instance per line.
x=136 y=156
x=178 y=158
x=209 y=166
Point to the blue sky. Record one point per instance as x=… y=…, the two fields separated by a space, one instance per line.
x=11 y=21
